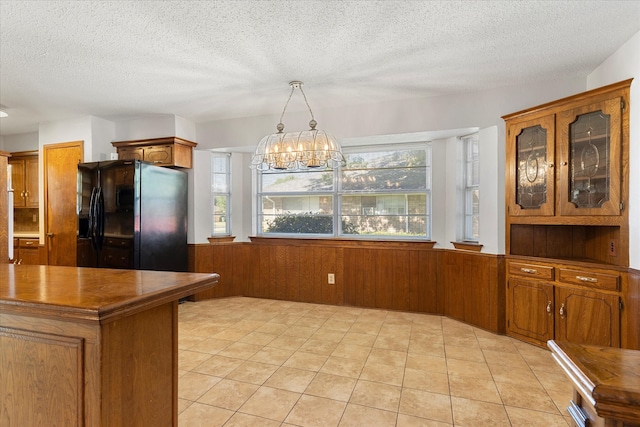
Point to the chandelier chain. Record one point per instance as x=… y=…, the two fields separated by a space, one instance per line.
x=293 y=88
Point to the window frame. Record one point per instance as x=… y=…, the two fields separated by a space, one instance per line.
x=215 y=194
x=338 y=193
x=471 y=159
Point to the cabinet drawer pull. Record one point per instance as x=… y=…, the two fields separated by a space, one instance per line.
x=587 y=279
x=529 y=270
x=28 y=243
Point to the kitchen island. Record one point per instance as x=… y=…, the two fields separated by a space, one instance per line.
x=605 y=381
x=90 y=347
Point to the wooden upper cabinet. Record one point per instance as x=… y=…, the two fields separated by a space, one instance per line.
x=565 y=158
x=530 y=157
x=171 y=151
x=590 y=156
x=24 y=177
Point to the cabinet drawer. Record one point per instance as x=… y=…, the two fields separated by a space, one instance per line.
x=116 y=258
x=531 y=270
x=610 y=282
x=29 y=243
x=115 y=242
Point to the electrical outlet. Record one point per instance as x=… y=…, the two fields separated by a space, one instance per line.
x=331 y=279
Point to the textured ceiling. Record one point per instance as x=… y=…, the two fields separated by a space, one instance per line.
x=208 y=60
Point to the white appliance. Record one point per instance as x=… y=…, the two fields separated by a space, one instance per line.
x=10 y=210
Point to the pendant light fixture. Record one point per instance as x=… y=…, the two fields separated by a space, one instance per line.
x=292 y=151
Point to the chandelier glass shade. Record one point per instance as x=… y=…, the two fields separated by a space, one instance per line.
x=291 y=151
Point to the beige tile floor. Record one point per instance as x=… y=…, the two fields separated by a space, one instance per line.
x=257 y=362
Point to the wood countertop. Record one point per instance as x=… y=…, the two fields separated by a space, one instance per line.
x=92 y=294
x=608 y=377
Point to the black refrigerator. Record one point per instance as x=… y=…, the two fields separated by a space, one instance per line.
x=131 y=215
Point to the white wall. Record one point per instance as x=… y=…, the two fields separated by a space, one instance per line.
x=154 y=126
x=447 y=194
x=20 y=142
x=102 y=133
x=199 y=213
x=492 y=176
x=478 y=109
x=622 y=65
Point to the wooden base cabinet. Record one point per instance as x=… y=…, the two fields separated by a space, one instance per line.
x=26 y=250
x=539 y=310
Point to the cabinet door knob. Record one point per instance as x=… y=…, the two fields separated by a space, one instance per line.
x=563 y=163
x=562 y=311
x=549 y=307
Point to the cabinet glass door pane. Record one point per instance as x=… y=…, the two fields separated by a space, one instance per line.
x=589 y=151
x=531 y=176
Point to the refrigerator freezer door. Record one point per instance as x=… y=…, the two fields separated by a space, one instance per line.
x=160 y=238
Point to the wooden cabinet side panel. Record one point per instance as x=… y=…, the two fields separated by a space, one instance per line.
x=631 y=312
x=497 y=298
x=182 y=155
x=139 y=370
x=41 y=379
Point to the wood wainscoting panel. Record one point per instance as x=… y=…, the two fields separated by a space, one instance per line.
x=406 y=276
x=231 y=261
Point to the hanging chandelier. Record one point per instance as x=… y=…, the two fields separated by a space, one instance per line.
x=292 y=151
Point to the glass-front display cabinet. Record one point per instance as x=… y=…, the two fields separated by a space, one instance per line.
x=532 y=189
x=590 y=159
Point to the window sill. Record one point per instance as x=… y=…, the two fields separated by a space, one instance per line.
x=468 y=246
x=214 y=240
x=343 y=242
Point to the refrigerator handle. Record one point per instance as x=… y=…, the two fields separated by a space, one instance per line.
x=92 y=219
x=99 y=218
